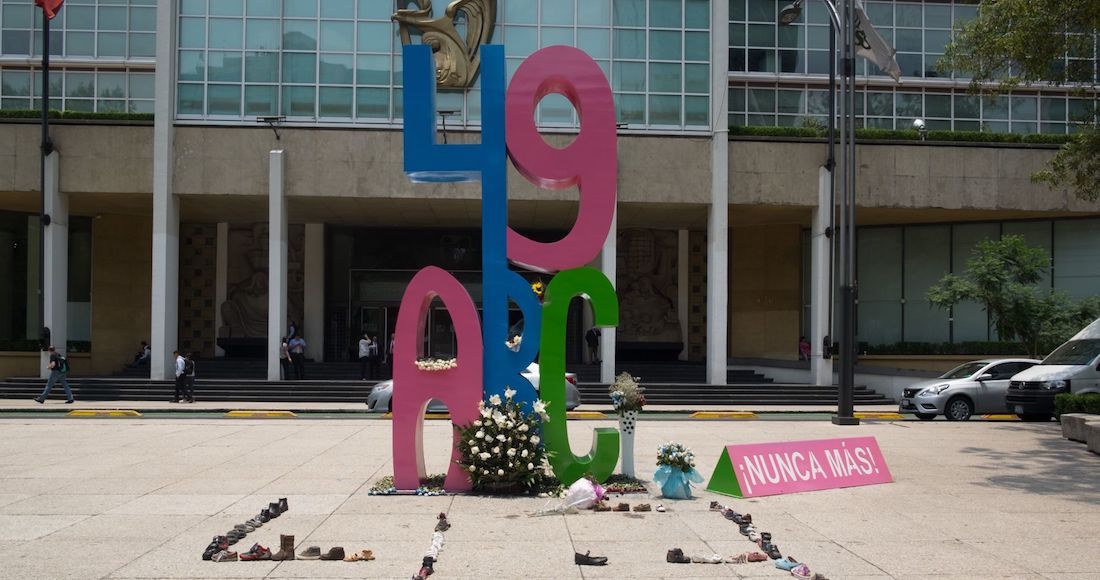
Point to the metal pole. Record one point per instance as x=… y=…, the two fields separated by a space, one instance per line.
x=43 y=217
x=845 y=415
x=830 y=164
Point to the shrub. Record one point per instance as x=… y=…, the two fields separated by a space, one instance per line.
x=874 y=134
x=1070 y=403
x=501 y=450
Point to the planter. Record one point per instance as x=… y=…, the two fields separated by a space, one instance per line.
x=627 y=422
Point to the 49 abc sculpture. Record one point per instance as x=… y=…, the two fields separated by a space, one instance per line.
x=486 y=365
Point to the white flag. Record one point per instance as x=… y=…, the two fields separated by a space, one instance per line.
x=871 y=46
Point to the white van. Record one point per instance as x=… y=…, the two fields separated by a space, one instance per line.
x=1073 y=367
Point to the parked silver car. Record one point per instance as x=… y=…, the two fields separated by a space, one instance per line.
x=380 y=398
x=971 y=388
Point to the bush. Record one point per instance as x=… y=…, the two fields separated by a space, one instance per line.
x=947 y=348
x=873 y=134
x=1070 y=403
x=75 y=115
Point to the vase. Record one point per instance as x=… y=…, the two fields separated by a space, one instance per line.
x=627 y=421
x=676 y=483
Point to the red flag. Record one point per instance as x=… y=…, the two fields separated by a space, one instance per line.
x=50 y=7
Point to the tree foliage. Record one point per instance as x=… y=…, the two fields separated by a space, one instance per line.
x=1027 y=42
x=1001 y=275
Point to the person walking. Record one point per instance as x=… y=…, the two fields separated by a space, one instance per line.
x=298 y=357
x=284 y=358
x=364 y=355
x=189 y=377
x=181 y=380
x=59 y=371
x=592 y=337
x=374 y=358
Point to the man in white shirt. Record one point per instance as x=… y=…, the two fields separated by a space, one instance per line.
x=180 y=378
x=364 y=354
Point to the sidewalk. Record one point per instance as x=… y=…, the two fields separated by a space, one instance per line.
x=57 y=405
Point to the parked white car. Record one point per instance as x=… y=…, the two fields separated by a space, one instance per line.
x=1073 y=367
x=380 y=399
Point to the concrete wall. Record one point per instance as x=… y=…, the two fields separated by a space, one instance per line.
x=765 y=291
x=94 y=158
x=901 y=176
x=121 y=291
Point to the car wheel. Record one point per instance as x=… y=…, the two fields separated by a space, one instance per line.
x=958 y=409
x=925 y=416
x=1038 y=418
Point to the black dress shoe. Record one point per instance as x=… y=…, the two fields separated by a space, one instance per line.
x=273 y=509
x=586 y=559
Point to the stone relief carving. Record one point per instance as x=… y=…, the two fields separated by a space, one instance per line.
x=455 y=38
x=244 y=312
x=648 y=292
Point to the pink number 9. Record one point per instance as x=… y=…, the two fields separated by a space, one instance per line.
x=590 y=162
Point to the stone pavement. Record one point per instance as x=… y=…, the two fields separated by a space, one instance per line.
x=140 y=498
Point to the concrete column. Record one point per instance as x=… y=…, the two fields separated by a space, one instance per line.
x=718 y=218
x=683 y=249
x=164 y=313
x=821 y=275
x=55 y=262
x=608 y=265
x=33 y=264
x=276 y=261
x=313 y=319
x=221 y=282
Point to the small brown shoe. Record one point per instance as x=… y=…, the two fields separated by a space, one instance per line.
x=336 y=553
x=622 y=507
x=642 y=507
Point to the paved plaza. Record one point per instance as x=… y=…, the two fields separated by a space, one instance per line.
x=141 y=498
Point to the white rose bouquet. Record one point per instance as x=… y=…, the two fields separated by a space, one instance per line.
x=501 y=450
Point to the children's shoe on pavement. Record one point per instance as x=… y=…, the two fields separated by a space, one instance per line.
x=801 y=571
x=256 y=552
x=225 y=556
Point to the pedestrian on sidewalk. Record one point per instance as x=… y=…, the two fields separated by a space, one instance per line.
x=284 y=358
x=180 y=378
x=364 y=355
x=592 y=338
x=189 y=377
x=59 y=371
x=298 y=356
x=374 y=358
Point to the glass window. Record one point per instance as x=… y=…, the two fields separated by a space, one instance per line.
x=665 y=45
x=665 y=78
x=927 y=260
x=338 y=69
x=697 y=46
x=555 y=108
x=761 y=101
x=879 y=253
x=78 y=43
x=880 y=104
x=697 y=14
x=626 y=12
x=790 y=102
x=194 y=7
x=300 y=8
x=223 y=100
x=227 y=8
x=995 y=108
x=301 y=35
x=556 y=36
x=631 y=108
x=192 y=65
x=299 y=68
x=79 y=84
x=338 y=9
x=298 y=101
x=226 y=33
x=628 y=76
x=560 y=13
x=594 y=13
x=696 y=111
x=76 y=17
x=335 y=102
x=111 y=85
x=968 y=106
x=263 y=7
x=372 y=103
x=908 y=15
x=665 y=14
x=337 y=36
x=937 y=105
x=937 y=15
x=374 y=37
x=15 y=83
x=141 y=85
x=260 y=100
x=595 y=42
x=143 y=44
x=664 y=110
x=261 y=67
x=697 y=78
x=970 y=319
x=1024 y=108
x=372 y=70
x=192 y=33
x=111 y=18
x=262 y=34
x=224 y=67
x=189 y=99
x=1076 y=253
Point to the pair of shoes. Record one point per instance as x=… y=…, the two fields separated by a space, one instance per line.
x=277 y=508
x=622 y=507
x=676 y=556
x=218 y=544
x=711 y=559
x=174 y=401
x=363 y=556
x=770 y=549
x=224 y=556
x=256 y=552
x=235 y=536
x=286 y=549
x=244 y=528
x=314 y=553
x=642 y=507
x=587 y=559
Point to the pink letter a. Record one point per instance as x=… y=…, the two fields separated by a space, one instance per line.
x=459 y=388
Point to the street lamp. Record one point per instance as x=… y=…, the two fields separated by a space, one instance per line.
x=921 y=128
x=788 y=15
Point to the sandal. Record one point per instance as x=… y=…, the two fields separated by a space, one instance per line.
x=642 y=507
x=738 y=559
x=622 y=507
x=756 y=557
x=367 y=555
x=354 y=557
x=785 y=564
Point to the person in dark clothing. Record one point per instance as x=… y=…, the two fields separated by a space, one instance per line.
x=284 y=358
x=59 y=371
x=592 y=338
x=374 y=358
x=298 y=357
x=189 y=378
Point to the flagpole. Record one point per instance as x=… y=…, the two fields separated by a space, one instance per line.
x=43 y=217
x=845 y=389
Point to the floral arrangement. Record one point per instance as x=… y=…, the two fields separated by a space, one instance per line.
x=676 y=455
x=676 y=470
x=436 y=364
x=501 y=450
x=627 y=394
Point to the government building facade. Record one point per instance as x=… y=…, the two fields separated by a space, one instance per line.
x=184 y=121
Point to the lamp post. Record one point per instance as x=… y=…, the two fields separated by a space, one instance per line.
x=788 y=15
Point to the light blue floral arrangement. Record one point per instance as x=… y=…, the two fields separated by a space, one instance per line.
x=676 y=470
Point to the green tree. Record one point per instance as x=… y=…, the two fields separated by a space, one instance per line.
x=1001 y=275
x=1027 y=42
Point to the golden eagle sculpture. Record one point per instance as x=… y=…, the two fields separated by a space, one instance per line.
x=457 y=59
